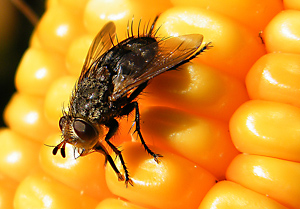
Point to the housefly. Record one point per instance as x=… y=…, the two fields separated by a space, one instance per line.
x=112 y=78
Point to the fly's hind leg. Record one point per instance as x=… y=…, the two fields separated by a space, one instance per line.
x=128 y=109
x=113 y=126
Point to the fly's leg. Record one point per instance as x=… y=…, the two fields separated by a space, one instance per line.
x=99 y=148
x=138 y=130
x=113 y=126
x=128 y=109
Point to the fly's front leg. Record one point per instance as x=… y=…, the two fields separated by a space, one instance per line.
x=99 y=148
x=128 y=109
x=113 y=126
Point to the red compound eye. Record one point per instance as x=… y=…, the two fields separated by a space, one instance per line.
x=84 y=129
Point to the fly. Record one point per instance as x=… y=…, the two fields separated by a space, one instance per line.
x=112 y=78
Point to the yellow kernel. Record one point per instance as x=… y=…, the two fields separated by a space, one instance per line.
x=8 y=188
x=276 y=178
x=37 y=70
x=291 y=4
x=88 y=172
x=229 y=195
x=99 y=12
x=267 y=128
x=234 y=56
x=188 y=135
x=255 y=14
x=18 y=156
x=77 y=53
x=282 y=33
x=24 y=114
x=111 y=203
x=57 y=28
x=167 y=184
x=198 y=89
x=57 y=98
x=41 y=191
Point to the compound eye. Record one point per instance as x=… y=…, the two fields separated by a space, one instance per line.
x=61 y=122
x=84 y=129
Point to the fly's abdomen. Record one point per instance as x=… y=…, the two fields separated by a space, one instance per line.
x=140 y=52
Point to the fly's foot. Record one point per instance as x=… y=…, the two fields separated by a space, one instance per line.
x=128 y=181
x=156 y=156
x=126 y=178
x=120 y=177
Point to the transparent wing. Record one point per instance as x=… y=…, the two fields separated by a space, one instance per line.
x=170 y=53
x=101 y=43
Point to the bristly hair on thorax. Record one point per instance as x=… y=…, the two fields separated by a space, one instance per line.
x=146 y=33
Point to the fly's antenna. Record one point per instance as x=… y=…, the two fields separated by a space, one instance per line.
x=61 y=146
x=27 y=11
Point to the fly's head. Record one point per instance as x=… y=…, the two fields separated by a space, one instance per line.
x=78 y=132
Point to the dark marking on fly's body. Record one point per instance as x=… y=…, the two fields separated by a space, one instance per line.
x=113 y=76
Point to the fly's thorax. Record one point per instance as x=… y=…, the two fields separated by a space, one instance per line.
x=80 y=132
x=90 y=99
